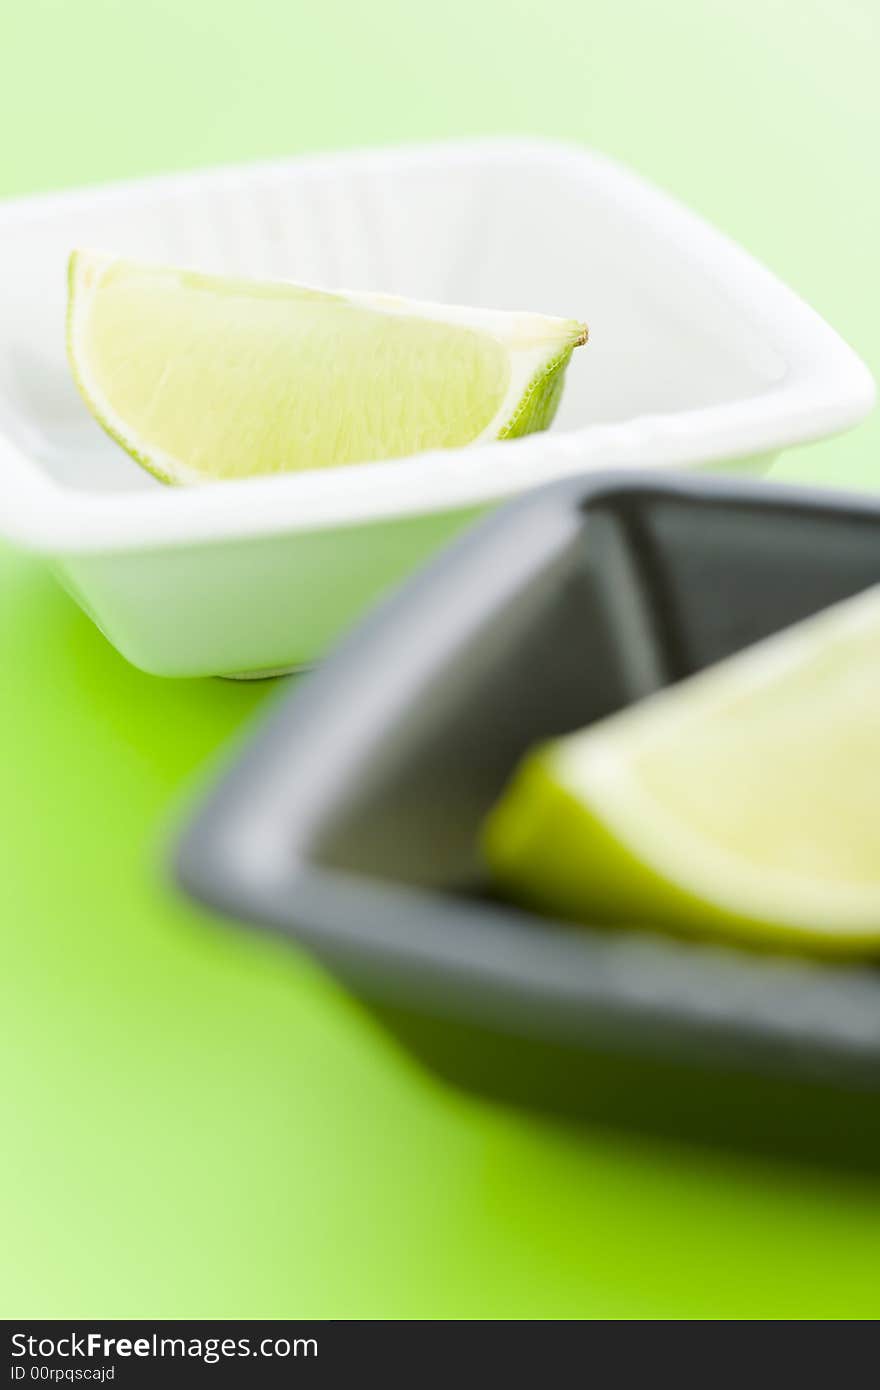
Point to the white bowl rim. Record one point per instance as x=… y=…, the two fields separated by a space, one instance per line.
x=826 y=388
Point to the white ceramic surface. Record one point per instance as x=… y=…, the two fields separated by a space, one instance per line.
x=697 y=356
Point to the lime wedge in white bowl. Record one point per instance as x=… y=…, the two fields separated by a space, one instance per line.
x=744 y=801
x=701 y=359
x=203 y=377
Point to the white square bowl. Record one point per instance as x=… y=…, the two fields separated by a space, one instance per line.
x=698 y=356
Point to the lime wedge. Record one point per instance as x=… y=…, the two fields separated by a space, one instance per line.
x=200 y=377
x=743 y=801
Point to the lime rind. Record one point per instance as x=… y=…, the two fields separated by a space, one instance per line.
x=540 y=401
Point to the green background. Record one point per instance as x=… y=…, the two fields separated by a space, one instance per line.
x=198 y=1122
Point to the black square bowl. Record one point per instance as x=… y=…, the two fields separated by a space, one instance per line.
x=350 y=821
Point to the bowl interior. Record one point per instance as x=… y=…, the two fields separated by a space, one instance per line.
x=644 y=588
x=501 y=226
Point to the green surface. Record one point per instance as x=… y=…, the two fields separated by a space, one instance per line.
x=200 y=1123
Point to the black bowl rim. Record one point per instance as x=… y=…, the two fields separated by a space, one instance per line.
x=243 y=854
